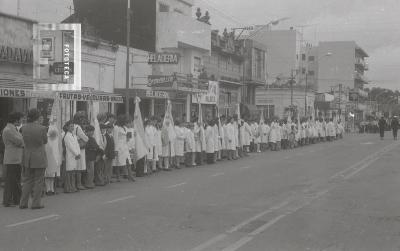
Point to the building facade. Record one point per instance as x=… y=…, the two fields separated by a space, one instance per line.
x=225 y=65
x=178 y=33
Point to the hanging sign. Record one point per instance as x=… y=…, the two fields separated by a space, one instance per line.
x=157 y=80
x=210 y=97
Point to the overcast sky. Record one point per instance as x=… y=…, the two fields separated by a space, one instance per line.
x=373 y=24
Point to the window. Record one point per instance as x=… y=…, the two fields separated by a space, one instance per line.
x=163 y=7
x=311 y=73
x=303 y=71
x=178 y=11
x=303 y=57
x=311 y=58
x=197 y=65
x=259 y=63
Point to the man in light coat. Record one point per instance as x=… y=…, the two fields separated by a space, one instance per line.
x=34 y=161
x=14 y=144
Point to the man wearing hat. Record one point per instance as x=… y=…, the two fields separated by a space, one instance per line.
x=109 y=151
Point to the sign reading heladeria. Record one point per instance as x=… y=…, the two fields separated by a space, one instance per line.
x=163 y=58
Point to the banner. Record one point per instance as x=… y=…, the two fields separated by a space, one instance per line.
x=75 y=96
x=209 y=98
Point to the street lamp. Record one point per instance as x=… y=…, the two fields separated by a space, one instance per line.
x=273 y=22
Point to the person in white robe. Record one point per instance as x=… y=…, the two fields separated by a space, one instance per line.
x=236 y=133
x=123 y=157
x=264 y=135
x=53 y=157
x=179 y=144
x=189 y=145
x=72 y=153
x=257 y=137
x=210 y=145
x=81 y=136
x=217 y=140
x=150 y=138
x=229 y=133
x=198 y=139
x=158 y=145
x=273 y=139
x=168 y=137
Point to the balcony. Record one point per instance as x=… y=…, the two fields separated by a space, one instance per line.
x=176 y=30
x=360 y=63
x=360 y=78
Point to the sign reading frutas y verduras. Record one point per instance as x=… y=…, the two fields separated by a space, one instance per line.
x=90 y=97
x=163 y=58
x=57 y=56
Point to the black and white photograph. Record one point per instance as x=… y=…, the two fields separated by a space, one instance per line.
x=199 y=125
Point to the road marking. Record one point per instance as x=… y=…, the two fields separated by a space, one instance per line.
x=238 y=244
x=361 y=168
x=217 y=174
x=33 y=220
x=242 y=224
x=177 y=185
x=245 y=167
x=307 y=200
x=209 y=242
x=367 y=143
x=120 y=199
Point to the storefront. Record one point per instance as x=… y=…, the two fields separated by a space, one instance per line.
x=208 y=102
x=229 y=97
x=180 y=89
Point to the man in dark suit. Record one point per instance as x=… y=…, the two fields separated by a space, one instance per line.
x=34 y=161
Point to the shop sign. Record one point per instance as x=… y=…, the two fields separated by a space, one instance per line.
x=47 y=48
x=210 y=97
x=15 y=55
x=157 y=80
x=14 y=93
x=163 y=58
x=59 y=68
x=90 y=97
x=157 y=94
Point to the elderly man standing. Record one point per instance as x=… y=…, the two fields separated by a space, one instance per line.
x=14 y=145
x=34 y=161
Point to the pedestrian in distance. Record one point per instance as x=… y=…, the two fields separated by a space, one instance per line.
x=14 y=145
x=395 y=127
x=34 y=161
x=382 y=126
x=93 y=152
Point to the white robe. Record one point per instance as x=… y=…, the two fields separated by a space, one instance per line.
x=210 y=137
x=121 y=146
x=229 y=134
x=273 y=137
x=217 y=138
x=72 y=150
x=264 y=131
x=53 y=152
x=78 y=132
x=197 y=138
x=180 y=141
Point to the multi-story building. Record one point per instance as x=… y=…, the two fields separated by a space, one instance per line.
x=346 y=65
x=188 y=38
x=342 y=74
x=225 y=65
x=254 y=73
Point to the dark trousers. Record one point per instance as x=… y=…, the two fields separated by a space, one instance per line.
x=140 y=167
x=395 y=133
x=199 y=158
x=99 y=173
x=382 y=132
x=32 y=183
x=12 y=187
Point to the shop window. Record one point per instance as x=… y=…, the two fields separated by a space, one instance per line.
x=303 y=57
x=311 y=58
x=303 y=70
x=81 y=106
x=197 y=64
x=163 y=7
x=311 y=73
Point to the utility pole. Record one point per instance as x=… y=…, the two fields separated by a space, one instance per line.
x=305 y=96
x=128 y=43
x=291 y=91
x=340 y=100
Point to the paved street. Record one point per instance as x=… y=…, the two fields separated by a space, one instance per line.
x=330 y=196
